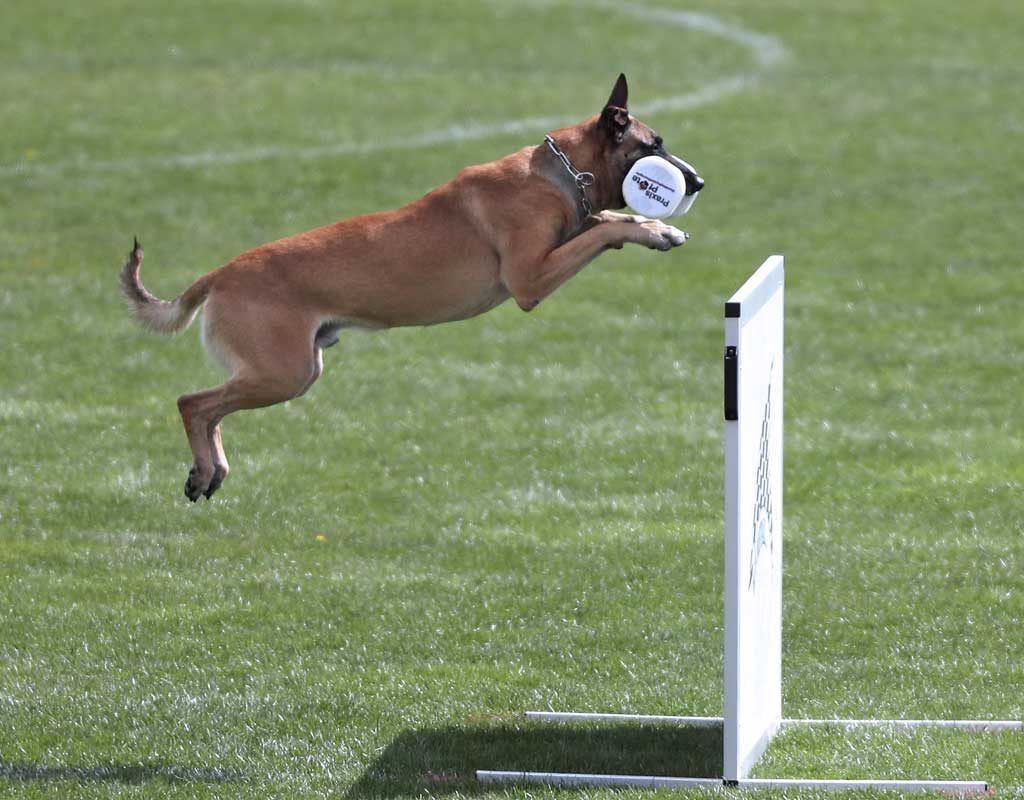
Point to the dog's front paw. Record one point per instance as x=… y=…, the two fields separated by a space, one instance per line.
x=661 y=236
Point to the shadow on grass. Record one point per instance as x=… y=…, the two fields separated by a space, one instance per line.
x=117 y=773
x=445 y=759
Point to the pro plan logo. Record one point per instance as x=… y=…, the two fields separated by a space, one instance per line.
x=653 y=189
x=764 y=518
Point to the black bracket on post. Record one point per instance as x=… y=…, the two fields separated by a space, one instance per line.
x=732 y=362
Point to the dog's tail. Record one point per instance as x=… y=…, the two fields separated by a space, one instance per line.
x=162 y=316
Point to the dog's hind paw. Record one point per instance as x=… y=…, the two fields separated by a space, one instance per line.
x=195 y=485
x=220 y=472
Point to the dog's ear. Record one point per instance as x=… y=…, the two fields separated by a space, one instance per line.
x=615 y=116
x=619 y=97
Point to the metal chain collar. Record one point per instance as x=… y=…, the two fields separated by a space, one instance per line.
x=582 y=179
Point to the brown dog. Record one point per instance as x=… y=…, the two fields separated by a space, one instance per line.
x=518 y=227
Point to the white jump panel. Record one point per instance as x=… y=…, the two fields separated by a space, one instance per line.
x=753 y=517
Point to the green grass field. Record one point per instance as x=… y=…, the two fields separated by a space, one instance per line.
x=515 y=511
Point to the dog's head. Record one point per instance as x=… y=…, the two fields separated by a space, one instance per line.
x=626 y=140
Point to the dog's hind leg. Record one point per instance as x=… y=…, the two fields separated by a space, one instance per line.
x=262 y=379
x=220 y=462
x=202 y=412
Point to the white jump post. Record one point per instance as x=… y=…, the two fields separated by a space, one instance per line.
x=754 y=318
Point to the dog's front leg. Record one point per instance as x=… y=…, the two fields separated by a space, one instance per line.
x=531 y=274
x=615 y=216
x=604 y=217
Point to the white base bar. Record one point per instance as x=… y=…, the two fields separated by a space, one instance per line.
x=569 y=779
x=661 y=719
x=945 y=787
x=976 y=725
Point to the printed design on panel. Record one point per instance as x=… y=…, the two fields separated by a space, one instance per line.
x=764 y=516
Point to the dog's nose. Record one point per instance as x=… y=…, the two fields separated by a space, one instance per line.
x=694 y=183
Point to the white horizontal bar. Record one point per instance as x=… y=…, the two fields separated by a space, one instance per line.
x=661 y=719
x=945 y=787
x=712 y=722
x=958 y=724
x=567 y=779
x=570 y=779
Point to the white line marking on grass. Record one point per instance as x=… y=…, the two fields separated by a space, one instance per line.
x=767 y=51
